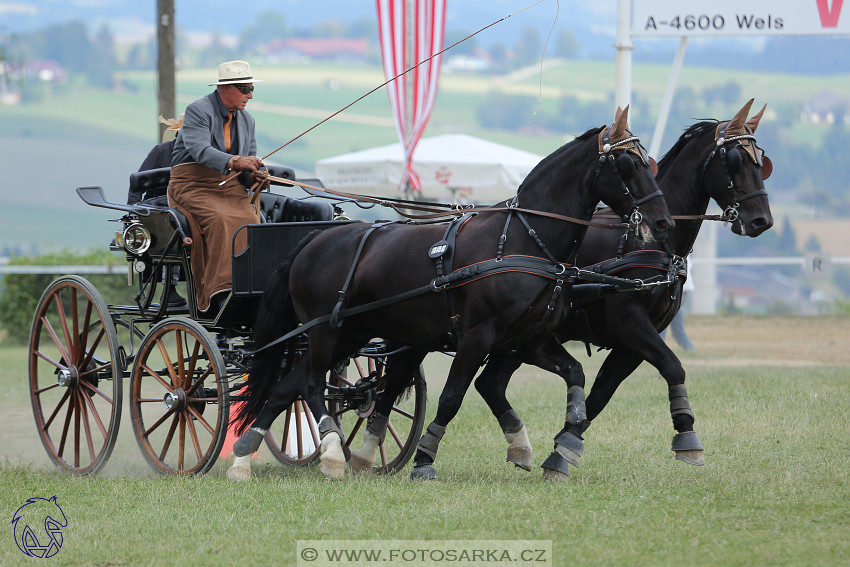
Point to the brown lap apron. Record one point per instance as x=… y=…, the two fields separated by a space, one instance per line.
x=214 y=214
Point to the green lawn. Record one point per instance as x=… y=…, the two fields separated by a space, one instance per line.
x=772 y=404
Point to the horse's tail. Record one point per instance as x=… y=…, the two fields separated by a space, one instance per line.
x=275 y=317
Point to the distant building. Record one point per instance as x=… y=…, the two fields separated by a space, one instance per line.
x=316 y=48
x=38 y=70
x=826 y=107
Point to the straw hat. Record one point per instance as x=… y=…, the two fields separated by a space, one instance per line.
x=235 y=72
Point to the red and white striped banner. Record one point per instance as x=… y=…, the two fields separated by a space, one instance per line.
x=404 y=43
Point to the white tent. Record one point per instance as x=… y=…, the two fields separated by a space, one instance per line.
x=452 y=168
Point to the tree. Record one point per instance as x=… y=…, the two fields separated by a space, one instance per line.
x=101 y=65
x=566 y=45
x=267 y=27
x=786 y=243
x=529 y=47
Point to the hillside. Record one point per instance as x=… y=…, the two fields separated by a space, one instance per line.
x=87 y=136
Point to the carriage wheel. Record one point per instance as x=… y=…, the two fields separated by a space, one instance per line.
x=294 y=437
x=75 y=375
x=179 y=401
x=405 y=420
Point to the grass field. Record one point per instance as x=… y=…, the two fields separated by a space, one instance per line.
x=772 y=401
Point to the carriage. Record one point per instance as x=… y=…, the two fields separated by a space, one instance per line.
x=183 y=368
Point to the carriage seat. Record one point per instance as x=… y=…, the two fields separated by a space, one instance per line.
x=279 y=208
x=150 y=185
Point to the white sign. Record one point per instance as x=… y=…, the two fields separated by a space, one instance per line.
x=818 y=264
x=662 y=18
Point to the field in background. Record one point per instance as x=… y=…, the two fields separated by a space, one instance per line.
x=91 y=137
x=772 y=402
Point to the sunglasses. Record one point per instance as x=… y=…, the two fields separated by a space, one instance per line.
x=244 y=89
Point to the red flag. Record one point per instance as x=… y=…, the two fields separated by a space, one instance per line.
x=409 y=37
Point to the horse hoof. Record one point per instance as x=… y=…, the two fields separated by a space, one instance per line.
x=555 y=476
x=248 y=443
x=423 y=472
x=520 y=456
x=692 y=457
x=333 y=469
x=556 y=467
x=238 y=474
x=359 y=464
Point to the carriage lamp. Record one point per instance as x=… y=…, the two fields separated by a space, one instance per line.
x=135 y=239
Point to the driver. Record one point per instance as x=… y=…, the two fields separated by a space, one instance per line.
x=216 y=140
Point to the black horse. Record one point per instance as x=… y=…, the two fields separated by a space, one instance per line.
x=711 y=160
x=485 y=283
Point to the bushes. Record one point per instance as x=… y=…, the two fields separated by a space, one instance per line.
x=19 y=293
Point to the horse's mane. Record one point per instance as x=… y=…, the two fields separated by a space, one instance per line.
x=689 y=134
x=556 y=156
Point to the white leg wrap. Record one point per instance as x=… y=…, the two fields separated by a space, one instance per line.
x=240 y=470
x=332 y=459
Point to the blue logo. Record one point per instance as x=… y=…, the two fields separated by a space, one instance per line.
x=38 y=527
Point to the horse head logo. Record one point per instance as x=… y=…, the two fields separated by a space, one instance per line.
x=38 y=527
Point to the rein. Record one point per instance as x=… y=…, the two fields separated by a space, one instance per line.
x=443 y=210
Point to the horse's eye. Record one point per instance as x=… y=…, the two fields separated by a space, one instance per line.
x=733 y=161
x=625 y=166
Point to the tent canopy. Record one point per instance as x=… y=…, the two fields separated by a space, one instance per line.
x=452 y=167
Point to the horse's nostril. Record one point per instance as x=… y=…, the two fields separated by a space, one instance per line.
x=762 y=223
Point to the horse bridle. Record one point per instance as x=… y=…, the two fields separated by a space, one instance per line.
x=623 y=169
x=731 y=159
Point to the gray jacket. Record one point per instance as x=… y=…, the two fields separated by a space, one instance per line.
x=201 y=137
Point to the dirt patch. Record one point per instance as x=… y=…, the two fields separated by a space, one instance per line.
x=781 y=341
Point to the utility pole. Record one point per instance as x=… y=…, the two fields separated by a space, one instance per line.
x=165 y=41
x=624 y=46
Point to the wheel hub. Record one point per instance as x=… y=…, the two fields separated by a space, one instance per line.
x=69 y=377
x=365 y=402
x=175 y=400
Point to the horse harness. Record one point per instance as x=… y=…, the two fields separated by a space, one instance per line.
x=673 y=266
x=731 y=161
x=442 y=252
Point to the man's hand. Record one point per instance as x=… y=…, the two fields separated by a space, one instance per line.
x=262 y=178
x=245 y=163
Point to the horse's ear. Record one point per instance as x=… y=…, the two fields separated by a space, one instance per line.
x=737 y=123
x=753 y=122
x=618 y=113
x=621 y=122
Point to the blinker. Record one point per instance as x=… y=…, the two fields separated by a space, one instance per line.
x=625 y=166
x=766 y=167
x=653 y=167
x=733 y=161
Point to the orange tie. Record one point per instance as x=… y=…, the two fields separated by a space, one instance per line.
x=227 y=131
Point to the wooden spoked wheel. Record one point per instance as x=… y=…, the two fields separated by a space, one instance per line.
x=75 y=375
x=294 y=437
x=405 y=420
x=179 y=400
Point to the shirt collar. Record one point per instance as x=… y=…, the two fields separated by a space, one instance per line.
x=221 y=108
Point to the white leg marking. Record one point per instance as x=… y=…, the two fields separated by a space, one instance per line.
x=363 y=458
x=519 y=448
x=332 y=459
x=240 y=469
